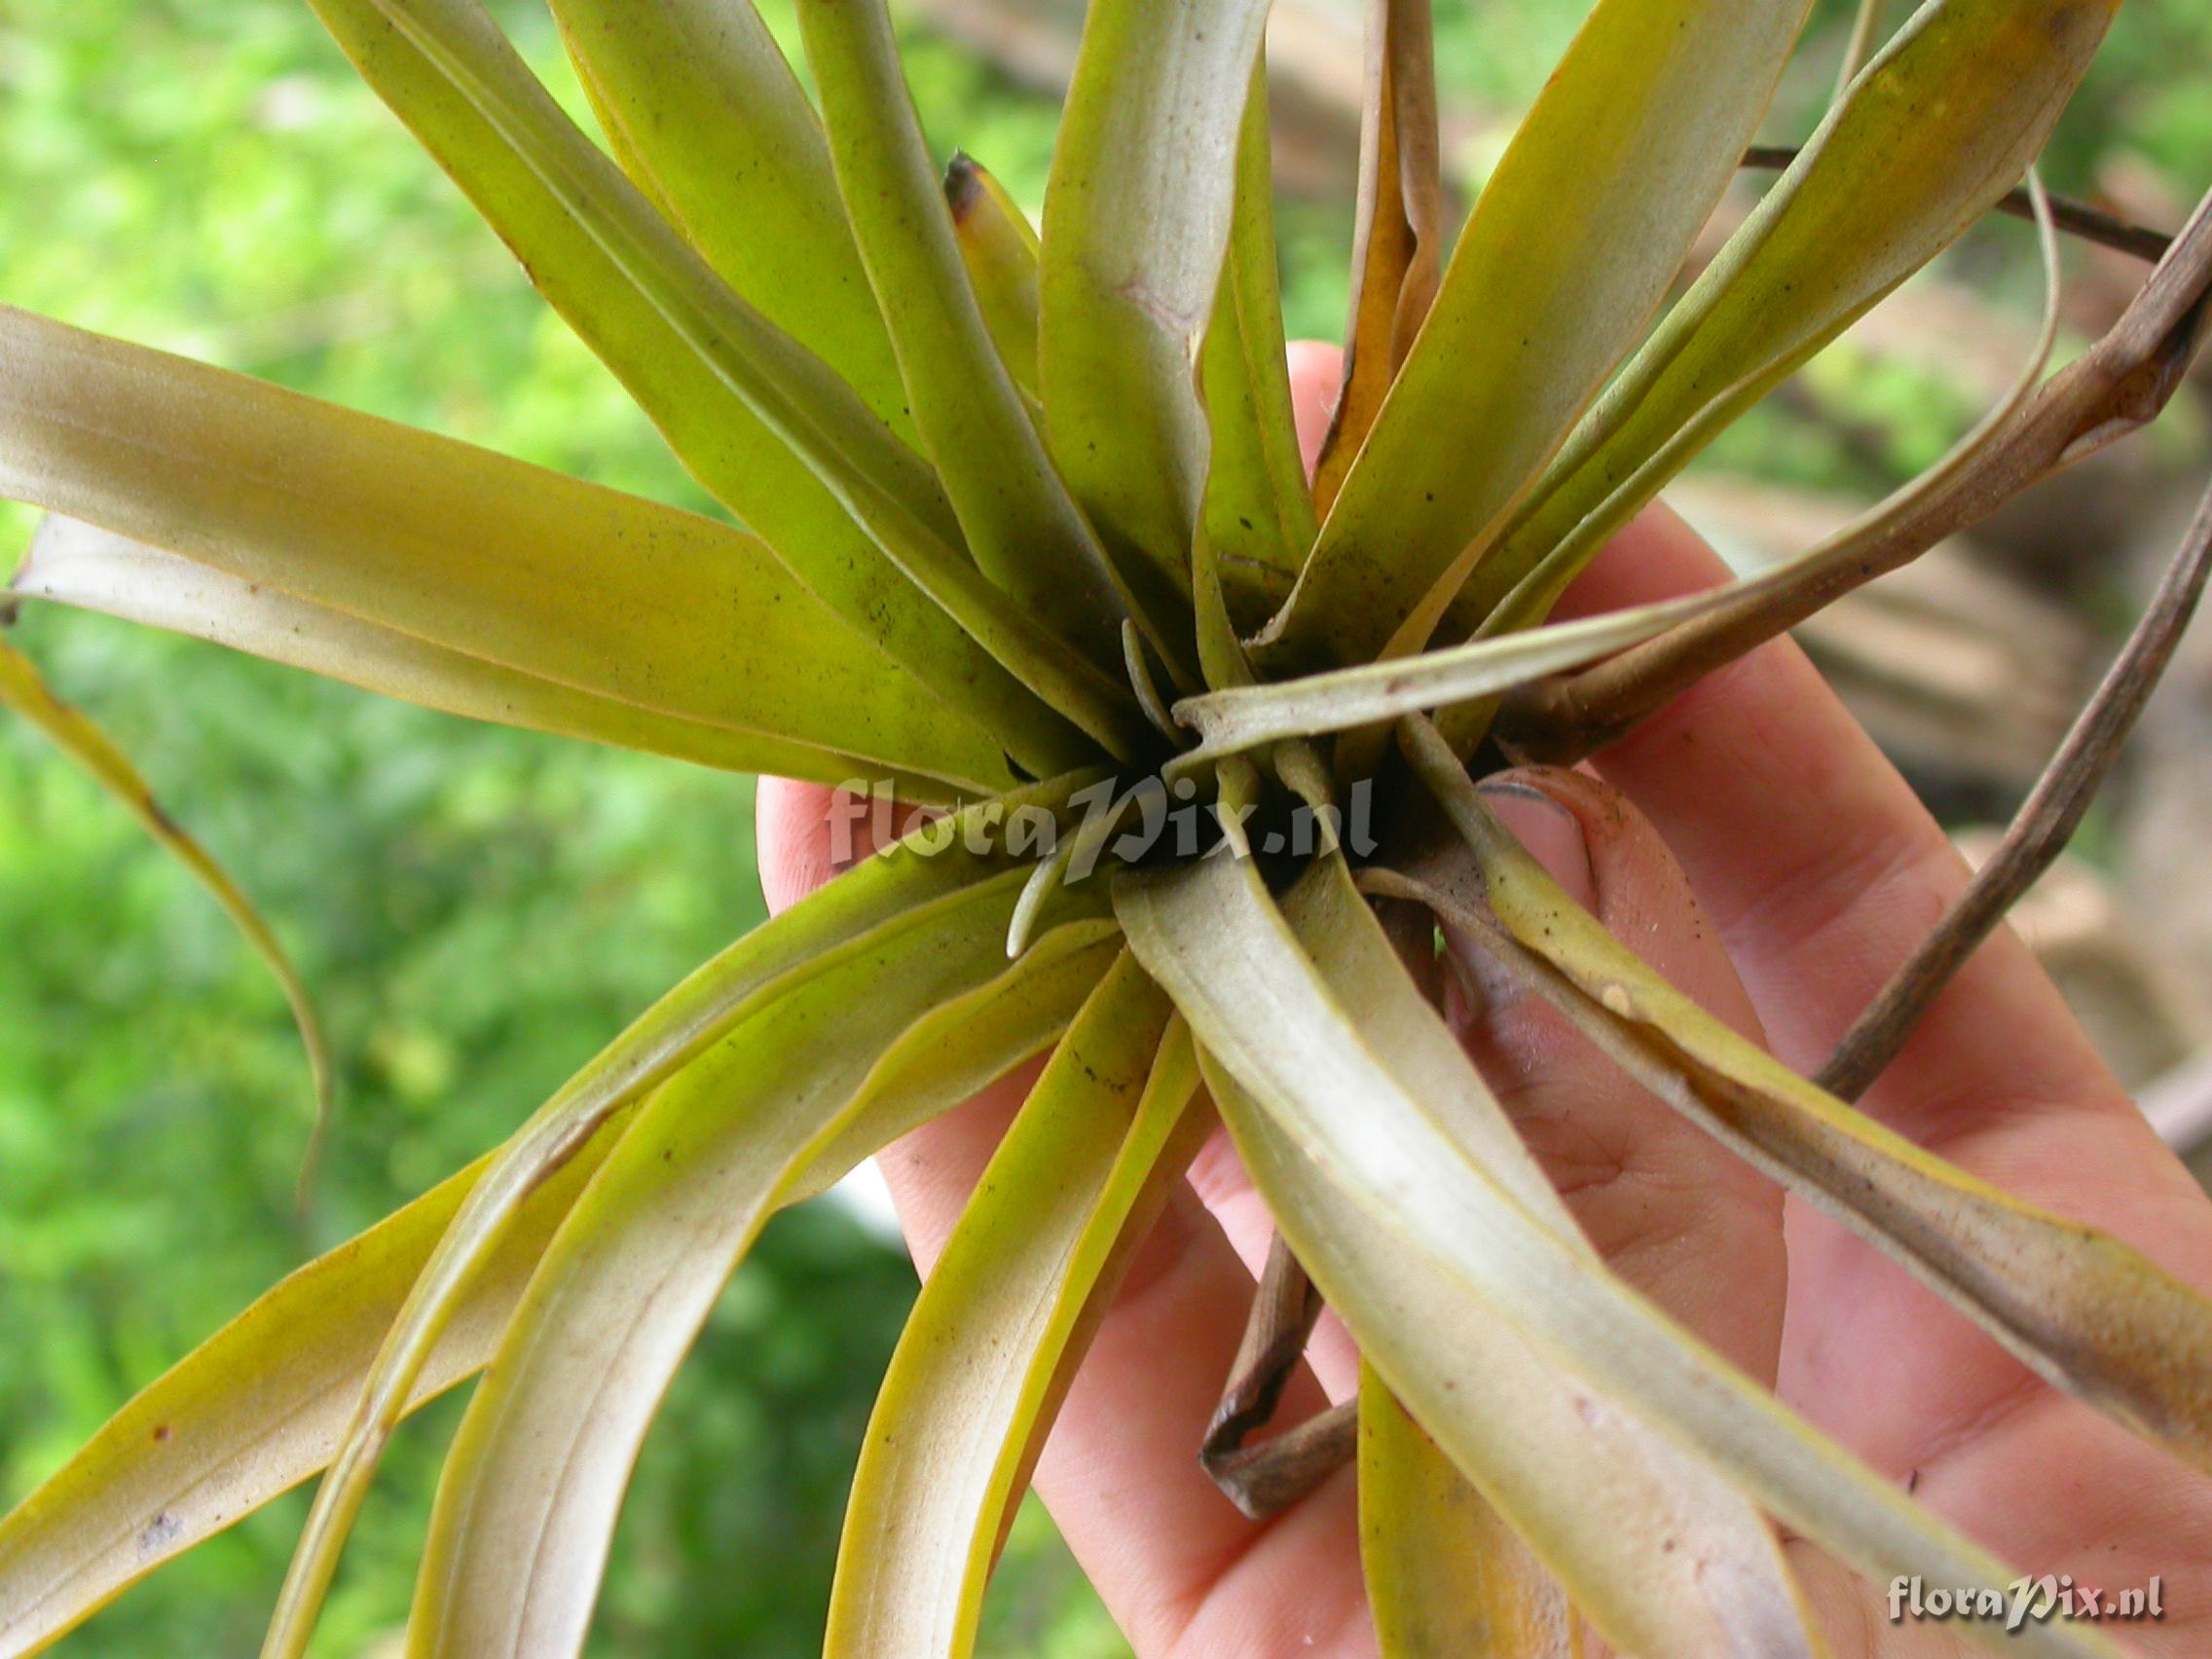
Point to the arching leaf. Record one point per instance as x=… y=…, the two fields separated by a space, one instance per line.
x=936 y=867
x=1421 y=1249
x=761 y=420
x=1674 y=1560
x=532 y=1486
x=469 y=551
x=1022 y=525
x=708 y=120
x=255 y=1409
x=265 y=1402
x=1136 y=219
x=1003 y=1321
x=1934 y=132
x=2087 y=1312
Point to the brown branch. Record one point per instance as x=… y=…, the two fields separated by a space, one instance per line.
x=2074 y=218
x=2046 y=823
x=2117 y=386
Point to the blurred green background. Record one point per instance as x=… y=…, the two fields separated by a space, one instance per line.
x=477 y=910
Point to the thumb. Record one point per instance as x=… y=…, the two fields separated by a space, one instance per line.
x=1677 y=1214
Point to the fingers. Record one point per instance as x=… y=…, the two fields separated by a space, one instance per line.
x=1673 y=1211
x=1821 y=870
x=1845 y=872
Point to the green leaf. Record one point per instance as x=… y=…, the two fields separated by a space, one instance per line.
x=1258 y=513
x=446 y=70
x=1239 y=718
x=1136 y=220
x=967 y=1042
x=1004 y=1320
x=1446 y=1577
x=1925 y=140
x=255 y=1409
x=533 y=1485
x=1000 y=250
x=709 y=120
x=762 y=421
x=1423 y=1249
x=469 y=551
x=1399 y=234
x=23 y=689
x=77 y=564
x=2084 y=1312
x=1575 y=239
x=933 y=867
x=1657 y=1552
x=1022 y=525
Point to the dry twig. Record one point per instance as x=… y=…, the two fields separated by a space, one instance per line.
x=2039 y=833
x=2074 y=218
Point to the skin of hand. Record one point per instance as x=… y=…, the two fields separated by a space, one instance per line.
x=1787 y=932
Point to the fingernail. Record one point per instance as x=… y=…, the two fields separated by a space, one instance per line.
x=1548 y=831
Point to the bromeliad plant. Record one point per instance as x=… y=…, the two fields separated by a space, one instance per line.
x=1027 y=516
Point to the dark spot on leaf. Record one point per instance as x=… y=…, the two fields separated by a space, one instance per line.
x=159 y=1532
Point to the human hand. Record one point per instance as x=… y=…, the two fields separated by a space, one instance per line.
x=1754 y=845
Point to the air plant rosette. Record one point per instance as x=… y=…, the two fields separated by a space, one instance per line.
x=1030 y=545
